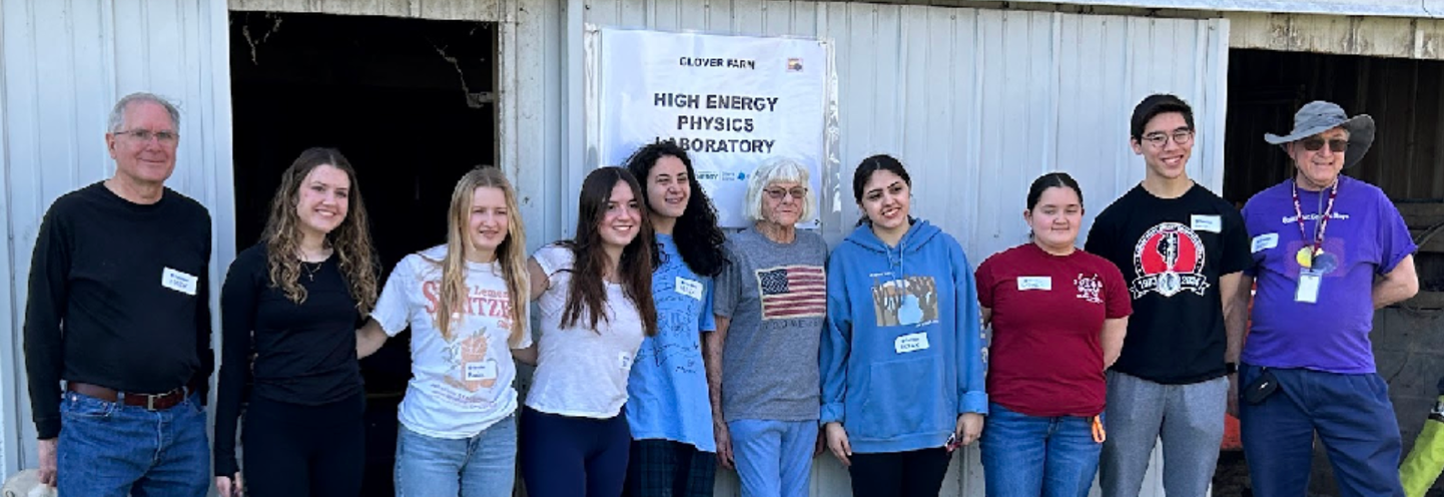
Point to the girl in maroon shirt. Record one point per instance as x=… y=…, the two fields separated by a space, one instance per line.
x=1058 y=315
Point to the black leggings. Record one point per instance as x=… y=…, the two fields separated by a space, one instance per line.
x=899 y=474
x=564 y=456
x=303 y=450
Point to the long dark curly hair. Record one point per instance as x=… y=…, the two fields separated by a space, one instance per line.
x=697 y=233
x=351 y=240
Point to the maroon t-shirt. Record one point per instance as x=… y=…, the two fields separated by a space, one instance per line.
x=1046 y=315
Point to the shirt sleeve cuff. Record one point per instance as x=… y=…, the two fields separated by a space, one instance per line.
x=47 y=429
x=832 y=413
x=974 y=401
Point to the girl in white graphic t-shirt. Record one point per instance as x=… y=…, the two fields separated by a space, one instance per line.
x=595 y=296
x=467 y=303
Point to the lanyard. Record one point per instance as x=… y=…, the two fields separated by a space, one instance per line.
x=1321 y=222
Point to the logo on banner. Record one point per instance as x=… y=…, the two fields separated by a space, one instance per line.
x=1169 y=259
x=795 y=64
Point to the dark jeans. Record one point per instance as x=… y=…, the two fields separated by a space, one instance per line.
x=1350 y=413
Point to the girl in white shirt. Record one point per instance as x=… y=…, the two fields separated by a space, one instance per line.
x=467 y=303
x=595 y=296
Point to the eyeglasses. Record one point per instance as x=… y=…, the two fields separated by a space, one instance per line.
x=1158 y=139
x=779 y=193
x=1315 y=144
x=166 y=137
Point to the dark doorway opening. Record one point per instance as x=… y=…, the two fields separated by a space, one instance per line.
x=411 y=103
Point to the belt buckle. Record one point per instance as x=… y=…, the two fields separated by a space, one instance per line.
x=151 y=402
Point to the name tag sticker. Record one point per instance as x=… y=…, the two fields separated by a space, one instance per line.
x=691 y=288
x=912 y=342
x=625 y=361
x=1207 y=223
x=178 y=281
x=1264 y=242
x=481 y=371
x=1033 y=283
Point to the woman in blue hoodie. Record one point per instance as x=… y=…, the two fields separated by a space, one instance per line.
x=902 y=360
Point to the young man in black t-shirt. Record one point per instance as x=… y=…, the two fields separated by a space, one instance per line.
x=1182 y=250
x=118 y=309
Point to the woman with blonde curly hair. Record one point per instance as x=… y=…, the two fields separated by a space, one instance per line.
x=289 y=312
x=467 y=303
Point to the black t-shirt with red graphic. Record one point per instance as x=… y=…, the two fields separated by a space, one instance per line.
x=1172 y=253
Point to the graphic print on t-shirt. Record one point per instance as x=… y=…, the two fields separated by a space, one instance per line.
x=1169 y=259
x=795 y=291
x=470 y=368
x=1088 y=288
x=908 y=301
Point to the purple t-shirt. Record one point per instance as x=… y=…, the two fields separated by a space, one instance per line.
x=1365 y=237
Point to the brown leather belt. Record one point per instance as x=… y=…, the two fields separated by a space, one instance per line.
x=151 y=402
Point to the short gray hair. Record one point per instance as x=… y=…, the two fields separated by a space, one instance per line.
x=118 y=113
x=777 y=170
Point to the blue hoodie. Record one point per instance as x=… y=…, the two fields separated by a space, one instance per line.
x=902 y=355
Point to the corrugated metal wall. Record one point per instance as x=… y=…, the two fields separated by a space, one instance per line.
x=63 y=63
x=977 y=103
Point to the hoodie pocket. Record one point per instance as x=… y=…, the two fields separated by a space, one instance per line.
x=902 y=397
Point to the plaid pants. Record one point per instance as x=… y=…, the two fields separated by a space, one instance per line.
x=664 y=468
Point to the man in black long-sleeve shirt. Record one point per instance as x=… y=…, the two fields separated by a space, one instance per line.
x=118 y=309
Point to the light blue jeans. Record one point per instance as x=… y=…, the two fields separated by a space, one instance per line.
x=480 y=466
x=773 y=457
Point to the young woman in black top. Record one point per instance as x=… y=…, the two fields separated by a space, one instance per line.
x=289 y=311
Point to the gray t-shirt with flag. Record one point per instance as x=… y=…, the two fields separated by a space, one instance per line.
x=774 y=296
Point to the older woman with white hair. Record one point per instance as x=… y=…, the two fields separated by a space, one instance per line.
x=763 y=359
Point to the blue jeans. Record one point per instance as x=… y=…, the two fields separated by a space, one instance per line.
x=1028 y=456
x=1350 y=413
x=114 y=450
x=479 y=466
x=773 y=457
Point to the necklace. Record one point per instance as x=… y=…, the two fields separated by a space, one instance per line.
x=312 y=272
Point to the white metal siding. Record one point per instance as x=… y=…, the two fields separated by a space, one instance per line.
x=64 y=63
x=1401 y=8
x=977 y=104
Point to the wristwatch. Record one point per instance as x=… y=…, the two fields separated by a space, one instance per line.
x=1231 y=367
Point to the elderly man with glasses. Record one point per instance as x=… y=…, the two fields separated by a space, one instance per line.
x=1327 y=250
x=118 y=310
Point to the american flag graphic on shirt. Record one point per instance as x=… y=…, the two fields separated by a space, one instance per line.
x=792 y=292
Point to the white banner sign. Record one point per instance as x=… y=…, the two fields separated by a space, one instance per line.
x=731 y=101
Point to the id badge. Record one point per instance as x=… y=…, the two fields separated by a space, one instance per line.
x=1308 y=285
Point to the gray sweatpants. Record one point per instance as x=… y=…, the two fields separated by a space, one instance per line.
x=1189 y=419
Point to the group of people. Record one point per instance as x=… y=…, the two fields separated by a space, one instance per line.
x=668 y=346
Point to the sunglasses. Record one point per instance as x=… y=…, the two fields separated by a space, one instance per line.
x=1315 y=144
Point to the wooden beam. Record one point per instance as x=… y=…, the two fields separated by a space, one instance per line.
x=1420 y=215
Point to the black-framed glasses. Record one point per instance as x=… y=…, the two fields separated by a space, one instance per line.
x=145 y=136
x=1180 y=136
x=1315 y=144
x=779 y=193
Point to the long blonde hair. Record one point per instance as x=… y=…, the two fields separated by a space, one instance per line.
x=511 y=253
x=351 y=240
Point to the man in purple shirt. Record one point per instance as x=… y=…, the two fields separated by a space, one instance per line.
x=1327 y=250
